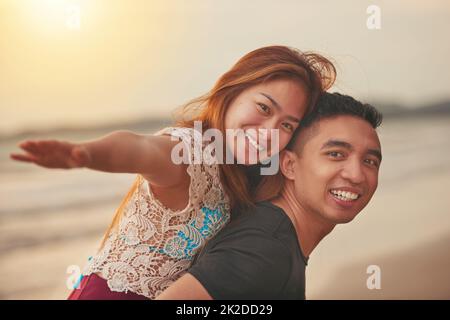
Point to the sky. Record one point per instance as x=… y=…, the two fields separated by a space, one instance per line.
x=87 y=62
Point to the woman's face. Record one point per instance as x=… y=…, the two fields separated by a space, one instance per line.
x=277 y=104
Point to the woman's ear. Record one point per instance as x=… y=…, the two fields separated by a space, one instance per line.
x=287 y=163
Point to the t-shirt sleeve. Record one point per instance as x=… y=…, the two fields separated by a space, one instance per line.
x=249 y=264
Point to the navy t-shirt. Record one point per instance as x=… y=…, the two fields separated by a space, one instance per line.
x=256 y=256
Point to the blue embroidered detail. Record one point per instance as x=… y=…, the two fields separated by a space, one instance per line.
x=183 y=246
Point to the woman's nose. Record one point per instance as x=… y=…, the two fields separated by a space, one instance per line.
x=270 y=124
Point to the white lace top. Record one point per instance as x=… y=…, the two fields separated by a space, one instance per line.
x=153 y=245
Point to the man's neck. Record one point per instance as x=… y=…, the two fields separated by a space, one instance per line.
x=310 y=228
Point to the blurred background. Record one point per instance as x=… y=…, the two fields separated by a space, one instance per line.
x=77 y=70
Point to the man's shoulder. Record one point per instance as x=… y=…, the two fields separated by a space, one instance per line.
x=264 y=216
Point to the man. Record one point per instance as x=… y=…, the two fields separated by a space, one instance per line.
x=330 y=172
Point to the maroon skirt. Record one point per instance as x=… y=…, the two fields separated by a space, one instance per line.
x=93 y=287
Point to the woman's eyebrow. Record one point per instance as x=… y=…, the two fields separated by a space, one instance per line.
x=275 y=103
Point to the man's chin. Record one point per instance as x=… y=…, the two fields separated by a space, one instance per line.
x=341 y=217
x=345 y=220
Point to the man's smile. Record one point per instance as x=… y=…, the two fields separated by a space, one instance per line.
x=345 y=196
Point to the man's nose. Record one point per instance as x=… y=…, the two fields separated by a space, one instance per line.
x=353 y=171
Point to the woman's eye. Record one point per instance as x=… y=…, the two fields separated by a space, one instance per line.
x=264 y=108
x=288 y=127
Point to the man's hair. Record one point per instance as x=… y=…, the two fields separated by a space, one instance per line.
x=335 y=104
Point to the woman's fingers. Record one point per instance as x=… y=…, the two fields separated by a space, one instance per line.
x=41 y=147
x=52 y=154
x=30 y=146
x=22 y=157
x=53 y=146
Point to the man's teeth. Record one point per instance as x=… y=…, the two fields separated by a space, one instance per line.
x=254 y=143
x=345 y=195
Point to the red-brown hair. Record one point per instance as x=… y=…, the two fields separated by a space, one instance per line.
x=313 y=71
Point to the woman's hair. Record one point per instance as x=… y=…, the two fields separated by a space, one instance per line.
x=311 y=70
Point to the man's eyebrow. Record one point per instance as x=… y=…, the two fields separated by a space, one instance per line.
x=376 y=153
x=336 y=143
x=292 y=118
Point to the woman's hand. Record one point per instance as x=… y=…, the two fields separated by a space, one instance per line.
x=53 y=154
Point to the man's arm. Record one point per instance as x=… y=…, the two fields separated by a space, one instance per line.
x=185 y=288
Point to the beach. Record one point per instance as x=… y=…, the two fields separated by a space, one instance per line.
x=53 y=219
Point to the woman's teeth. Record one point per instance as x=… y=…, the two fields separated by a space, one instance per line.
x=254 y=143
x=344 y=195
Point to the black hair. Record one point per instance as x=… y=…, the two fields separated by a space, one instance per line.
x=336 y=104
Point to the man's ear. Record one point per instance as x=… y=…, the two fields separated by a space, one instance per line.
x=287 y=163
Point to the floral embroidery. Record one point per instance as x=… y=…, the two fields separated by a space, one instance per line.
x=175 y=247
x=166 y=267
x=118 y=282
x=131 y=235
x=154 y=245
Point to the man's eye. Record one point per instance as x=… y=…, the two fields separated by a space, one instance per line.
x=372 y=162
x=335 y=154
x=264 y=108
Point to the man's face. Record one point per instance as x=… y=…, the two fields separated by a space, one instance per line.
x=336 y=172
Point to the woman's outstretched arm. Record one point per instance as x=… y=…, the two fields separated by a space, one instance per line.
x=119 y=152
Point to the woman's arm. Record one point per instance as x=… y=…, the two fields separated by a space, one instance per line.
x=119 y=152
